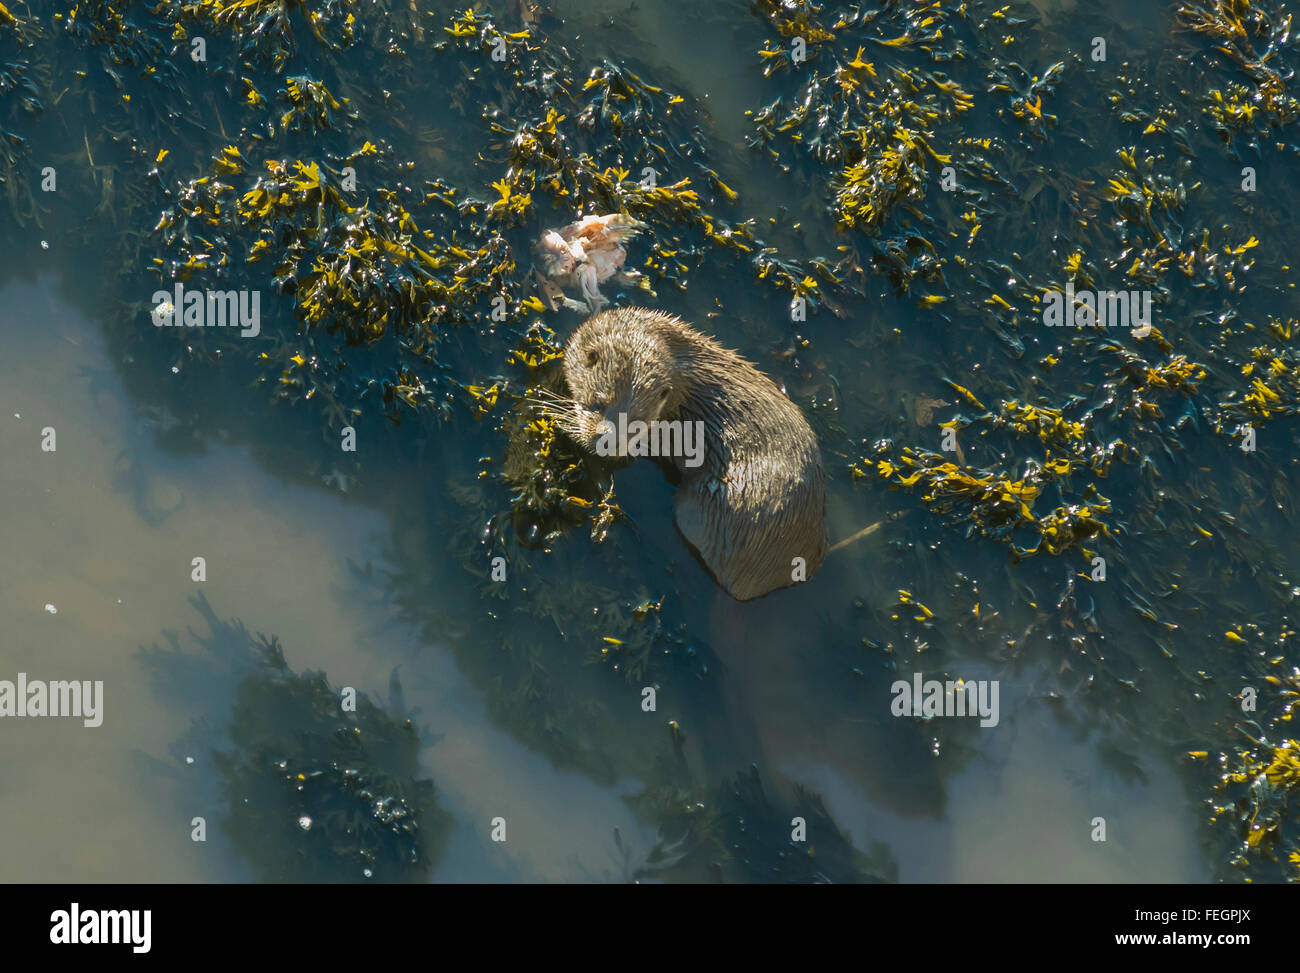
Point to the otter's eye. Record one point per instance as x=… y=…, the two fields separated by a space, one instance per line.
x=591 y=358
x=663 y=394
x=596 y=406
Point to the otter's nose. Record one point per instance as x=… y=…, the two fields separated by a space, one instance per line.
x=614 y=410
x=625 y=407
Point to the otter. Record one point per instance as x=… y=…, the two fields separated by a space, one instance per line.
x=757 y=500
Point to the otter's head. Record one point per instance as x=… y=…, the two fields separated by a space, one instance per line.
x=620 y=361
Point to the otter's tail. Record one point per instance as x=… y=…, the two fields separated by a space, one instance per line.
x=865 y=531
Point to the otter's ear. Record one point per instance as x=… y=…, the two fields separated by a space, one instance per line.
x=591 y=357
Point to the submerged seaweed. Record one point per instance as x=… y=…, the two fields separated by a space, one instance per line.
x=743 y=833
x=320 y=794
x=19 y=94
x=317 y=785
x=1256 y=799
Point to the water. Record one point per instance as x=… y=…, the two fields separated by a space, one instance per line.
x=529 y=698
x=278 y=558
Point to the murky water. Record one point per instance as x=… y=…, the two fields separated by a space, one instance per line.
x=115 y=803
x=123 y=459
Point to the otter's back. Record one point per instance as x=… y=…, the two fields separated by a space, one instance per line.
x=758 y=501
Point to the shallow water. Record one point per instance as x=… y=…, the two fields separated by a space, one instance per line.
x=278 y=557
x=367 y=567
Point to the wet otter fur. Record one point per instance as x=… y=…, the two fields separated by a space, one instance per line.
x=758 y=499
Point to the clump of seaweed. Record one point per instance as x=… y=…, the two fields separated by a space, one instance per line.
x=791 y=19
x=1257 y=794
x=1026 y=94
x=1271 y=377
x=318 y=794
x=864 y=119
x=1147 y=201
x=19 y=95
x=361 y=269
x=740 y=832
x=357 y=269
x=315 y=789
x=264 y=29
x=893 y=174
x=130 y=40
x=1257 y=41
x=556 y=484
x=997 y=505
x=311 y=108
x=760 y=841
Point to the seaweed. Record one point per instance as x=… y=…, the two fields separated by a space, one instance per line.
x=1257 y=41
x=314 y=789
x=997 y=505
x=311 y=107
x=741 y=832
x=20 y=94
x=364 y=270
x=1256 y=795
x=317 y=794
x=264 y=29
